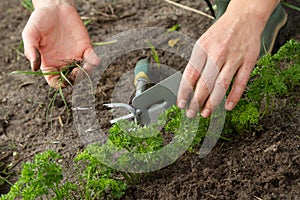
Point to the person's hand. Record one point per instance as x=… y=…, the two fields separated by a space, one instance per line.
x=228 y=49
x=55 y=35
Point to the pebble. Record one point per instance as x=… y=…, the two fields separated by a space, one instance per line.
x=4 y=100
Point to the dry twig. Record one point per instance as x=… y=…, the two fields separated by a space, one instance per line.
x=189 y=8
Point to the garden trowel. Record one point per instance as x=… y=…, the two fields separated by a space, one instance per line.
x=149 y=103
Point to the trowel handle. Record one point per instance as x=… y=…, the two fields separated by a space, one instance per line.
x=141 y=75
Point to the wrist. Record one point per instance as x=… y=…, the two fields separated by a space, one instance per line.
x=46 y=3
x=254 y=11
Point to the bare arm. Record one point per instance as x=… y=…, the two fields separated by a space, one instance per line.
x=42 y=3
x=229 y=48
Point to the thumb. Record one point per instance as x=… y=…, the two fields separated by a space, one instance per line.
x=31 y=44
x=91 y=60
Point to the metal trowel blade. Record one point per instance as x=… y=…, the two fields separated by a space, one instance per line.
x=157 y=99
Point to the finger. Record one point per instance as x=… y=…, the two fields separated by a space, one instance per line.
x=31 y=43
x=238 y=87
x=91 y=60
x=190 y=75
x=186 y=87
x=72 y=76
x=37 y=61
x=53 y=80
x=204 y=87
x=220 y=87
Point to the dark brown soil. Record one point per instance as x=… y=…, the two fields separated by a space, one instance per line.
x=263 y=164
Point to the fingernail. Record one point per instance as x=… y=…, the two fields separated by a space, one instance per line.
x=182 y=104
x=191 y=113
x=31 y=65
x=229 y=106
x=205 y=113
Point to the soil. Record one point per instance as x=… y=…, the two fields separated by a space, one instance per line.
x=263 y=164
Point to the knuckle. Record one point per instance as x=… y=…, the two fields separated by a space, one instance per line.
x=220 y=54
x=190 y=73
x=205 y=84
x=243 y=82
x=224 y=82
x=250 y=63
x=234 y=95
x=203 y=41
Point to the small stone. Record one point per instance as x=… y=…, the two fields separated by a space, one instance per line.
x=16 y=155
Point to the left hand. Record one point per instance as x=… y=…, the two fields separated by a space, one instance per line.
x=55 y=36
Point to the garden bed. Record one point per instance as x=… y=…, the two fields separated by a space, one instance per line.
x=261 y=164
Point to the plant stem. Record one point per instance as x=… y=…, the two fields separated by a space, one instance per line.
x=190 y=9
x=4 y=179
x=88 y=76
x=290 y=6
x=104 y=43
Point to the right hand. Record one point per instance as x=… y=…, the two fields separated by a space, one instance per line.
x=55 y=34
x=227 y=50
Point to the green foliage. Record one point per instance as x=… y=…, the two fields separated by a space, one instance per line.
x=125 y=139
x=292 y=76
x=40 y=178
x=275 y=76
x=270 y=78
x=96 y=179
x=154 y=52
x=135 y=149
x=270 y=81
x=201 y=132
x=174 y=115
x=245 y=116
x=174 y=28
x=4 y=173
x=27 y=4
x=289 y=52
x=121 y=137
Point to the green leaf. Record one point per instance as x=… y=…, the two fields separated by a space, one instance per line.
x=154 y=52
x=65 y=78
x=34 y=73
x=104 y=43
x=174 y=28
x=87 y=22
x=38 y=177
x=27 y=4
x=290 y=6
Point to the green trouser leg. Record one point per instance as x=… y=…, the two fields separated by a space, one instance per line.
x=221 y=7
x=273 y=28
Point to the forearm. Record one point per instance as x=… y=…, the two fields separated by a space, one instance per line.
x=258 y=11
x=42 y=3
